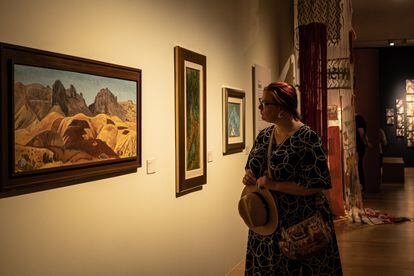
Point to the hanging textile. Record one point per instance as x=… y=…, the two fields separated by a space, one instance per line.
x=336 y=15
x=313 y=77
x=327 y=12
x=336 y=194
x=352 y=188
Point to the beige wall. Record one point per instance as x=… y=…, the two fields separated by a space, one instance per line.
x=133 y=224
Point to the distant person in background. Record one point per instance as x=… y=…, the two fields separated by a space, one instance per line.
x=382 y=143
x=361 y=143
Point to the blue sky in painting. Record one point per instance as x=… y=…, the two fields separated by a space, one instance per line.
x=89 y=85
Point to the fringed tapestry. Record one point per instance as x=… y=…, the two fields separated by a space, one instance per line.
x=313 y=77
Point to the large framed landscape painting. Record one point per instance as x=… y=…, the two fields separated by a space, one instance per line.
x=190 y=117
x=66 y=120
x=234 y=117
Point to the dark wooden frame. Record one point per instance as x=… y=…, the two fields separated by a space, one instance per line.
x=183 y=185
x=230 y=148
x=14 y=184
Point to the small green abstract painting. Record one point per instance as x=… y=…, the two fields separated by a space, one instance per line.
x=193 y=118
x=233 y=119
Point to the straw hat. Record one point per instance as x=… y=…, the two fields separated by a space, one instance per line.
x=257 y=207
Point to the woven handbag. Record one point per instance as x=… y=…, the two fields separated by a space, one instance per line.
x=306 y=238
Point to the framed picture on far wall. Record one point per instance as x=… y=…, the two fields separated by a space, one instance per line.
x=400 y=121
x=409 y=97
x=234 y=117
x=390 y=120
x=410 y=109
x=190 y=118
x=409 y=86
x=410 y=138
x=400 y=132
x=410 y=123
x=399 y=104
x=71 y=120
x=389 y=112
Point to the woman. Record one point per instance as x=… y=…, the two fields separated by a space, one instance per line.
x=298 y=175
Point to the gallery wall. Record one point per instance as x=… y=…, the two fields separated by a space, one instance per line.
x=133 y=224
x=396 y=66
x=382 y=78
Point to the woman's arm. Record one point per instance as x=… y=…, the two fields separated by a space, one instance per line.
x=286 y=187
x=249 y=178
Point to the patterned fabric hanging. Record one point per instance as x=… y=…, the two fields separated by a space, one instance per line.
x=328 y=12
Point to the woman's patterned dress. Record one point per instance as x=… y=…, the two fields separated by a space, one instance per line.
x=301 y=159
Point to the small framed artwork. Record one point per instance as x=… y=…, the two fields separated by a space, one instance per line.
x=409 y=86
x=410 y=108
x=410 y=126
x=390 y=120
x=190 y=118
x=234 y=117
x=399 y=103
x=409 y=97
x=66 y=120
x=410 y=138
x=400 y=121
x=389 y=112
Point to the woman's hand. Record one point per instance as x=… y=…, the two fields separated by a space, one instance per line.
x=264 y=182
x=249 y=178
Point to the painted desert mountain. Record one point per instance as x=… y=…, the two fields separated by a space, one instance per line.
x=54 y=127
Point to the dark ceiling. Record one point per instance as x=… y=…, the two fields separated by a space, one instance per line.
x=378 y=21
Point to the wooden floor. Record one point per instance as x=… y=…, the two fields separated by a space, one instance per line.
x=381 y=249
x=377 y=249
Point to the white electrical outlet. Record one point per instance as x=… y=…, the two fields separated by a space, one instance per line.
x=151 y=166
x=210 y=156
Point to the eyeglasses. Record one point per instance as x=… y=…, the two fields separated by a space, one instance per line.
x=264 y=103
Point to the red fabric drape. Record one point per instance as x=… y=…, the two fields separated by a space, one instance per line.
x=313 y=77
x=336 y=194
